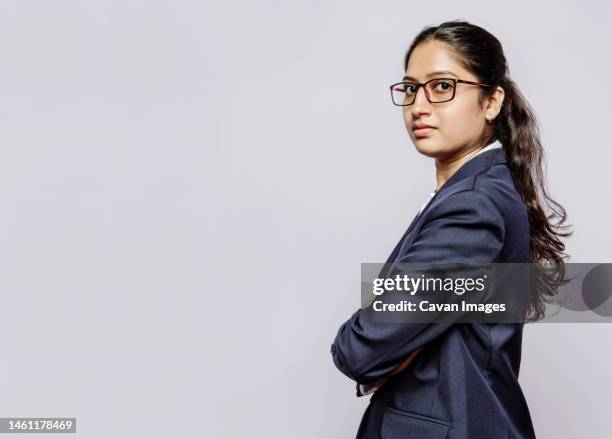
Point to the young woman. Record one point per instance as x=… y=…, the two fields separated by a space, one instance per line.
x=459 y=381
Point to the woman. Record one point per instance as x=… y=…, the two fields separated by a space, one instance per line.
x=459 y=380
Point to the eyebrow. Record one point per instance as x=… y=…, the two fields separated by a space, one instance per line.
x=438 y=72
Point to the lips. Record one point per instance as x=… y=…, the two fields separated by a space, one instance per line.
x=422 y=130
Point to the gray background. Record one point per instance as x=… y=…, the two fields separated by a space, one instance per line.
x=188 y=189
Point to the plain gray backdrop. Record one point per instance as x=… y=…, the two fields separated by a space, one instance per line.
x=188 y=189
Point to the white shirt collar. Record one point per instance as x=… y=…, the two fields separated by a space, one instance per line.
x=489 y=147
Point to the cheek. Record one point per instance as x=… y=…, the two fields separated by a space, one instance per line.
x=458 y=122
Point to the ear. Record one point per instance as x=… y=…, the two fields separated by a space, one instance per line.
x=494 y=103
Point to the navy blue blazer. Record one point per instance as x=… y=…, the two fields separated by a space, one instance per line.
x=464 y=382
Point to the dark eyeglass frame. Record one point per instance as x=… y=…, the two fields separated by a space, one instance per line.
x=423 y=84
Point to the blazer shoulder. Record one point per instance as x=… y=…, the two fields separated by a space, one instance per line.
x=497 y=183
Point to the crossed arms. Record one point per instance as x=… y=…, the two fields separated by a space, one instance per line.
x=467 y=227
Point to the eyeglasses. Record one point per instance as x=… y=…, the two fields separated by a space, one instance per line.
x=436 y=90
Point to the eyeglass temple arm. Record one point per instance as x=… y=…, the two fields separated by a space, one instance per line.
x=472 y=82
x=422 y=84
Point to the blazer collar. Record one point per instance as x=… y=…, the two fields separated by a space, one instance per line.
x=475 y=166
x=470 y=168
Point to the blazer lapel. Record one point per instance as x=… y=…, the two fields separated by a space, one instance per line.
x=393 y=254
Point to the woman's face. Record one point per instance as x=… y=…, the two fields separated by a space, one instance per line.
x=458 y=124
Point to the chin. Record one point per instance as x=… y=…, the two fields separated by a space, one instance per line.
x=428 y=147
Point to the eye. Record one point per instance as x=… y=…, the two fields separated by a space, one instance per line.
x=443 y=85
x=410 y=88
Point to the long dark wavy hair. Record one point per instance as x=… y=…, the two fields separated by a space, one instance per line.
x=517 y=130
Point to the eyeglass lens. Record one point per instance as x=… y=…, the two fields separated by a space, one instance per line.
x=439 y=90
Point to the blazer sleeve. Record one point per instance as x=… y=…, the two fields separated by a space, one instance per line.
x=466 y=227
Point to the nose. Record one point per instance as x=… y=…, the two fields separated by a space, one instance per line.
x=420 y=103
